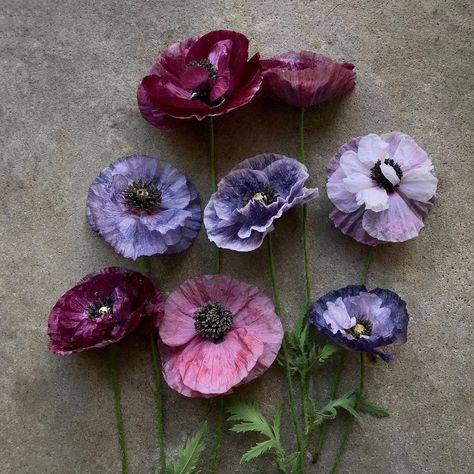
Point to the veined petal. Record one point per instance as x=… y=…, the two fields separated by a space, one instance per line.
x=389 y=173
x=372 y=148
x=419 y=184
x=374 y=198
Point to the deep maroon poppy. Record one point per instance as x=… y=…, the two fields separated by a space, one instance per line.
x=304 y=78
x=103 y=308
x=201 y=76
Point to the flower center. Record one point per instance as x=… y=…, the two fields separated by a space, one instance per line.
x=101 y=307
x=266 y=195
x=203 y=93
x=377 y=175
x=142 y=195
x=206 y=64
x=362 y=327
x=213 y=320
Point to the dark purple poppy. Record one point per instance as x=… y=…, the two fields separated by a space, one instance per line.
x=144 y=206
x=103 y=308
x=201 y=76
x=304 y=78
x=361 y=320
x=255 y=193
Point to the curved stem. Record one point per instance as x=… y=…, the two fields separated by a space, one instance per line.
x=334 y=387
x=218 y=438
x=291 y=395
x=118 y=405
x=350 y=426
x=212 y=156
x=160 y=425
x=305 y=216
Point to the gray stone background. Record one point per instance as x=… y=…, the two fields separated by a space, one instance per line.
x=69 y=75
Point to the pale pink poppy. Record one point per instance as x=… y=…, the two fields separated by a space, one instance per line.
x=217 y=332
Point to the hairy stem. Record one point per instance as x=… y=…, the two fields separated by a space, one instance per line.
x=305 y=215
x=218 y=437
x=144 y=267
x=291 y=395
x=334 y=387
x=118 y=405
x=212 y=156
x=345 y=438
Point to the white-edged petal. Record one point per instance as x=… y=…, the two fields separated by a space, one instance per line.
x=375 y=198
x=350 y=163
x=357 y=182
x=337 y=316
x=344 y=200
x=372 y=149
x=419 y=184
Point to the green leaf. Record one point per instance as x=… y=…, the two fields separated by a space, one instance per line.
x=188 y=457
x=257 y=450
x=366 y=406
x=346 y=402
x=277 y=423
x=289 y=464
x=250 y=417
x=327 y=351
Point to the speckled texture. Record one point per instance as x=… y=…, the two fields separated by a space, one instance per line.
x=69 y=75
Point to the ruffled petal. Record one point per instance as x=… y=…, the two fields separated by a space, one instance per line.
x=398 y=223
x=372 y=149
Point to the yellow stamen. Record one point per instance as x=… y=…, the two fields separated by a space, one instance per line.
x=358 y=329
x=259 y=197
x=104 y=309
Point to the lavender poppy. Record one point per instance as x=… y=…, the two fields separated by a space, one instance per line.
x=305 y=79
x=382 y=187
x=143 y=206
x=256 y=192
x=361 y=320
x=201 y=76
x=103 y=308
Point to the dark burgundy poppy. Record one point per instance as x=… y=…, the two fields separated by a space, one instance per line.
x=201 y=76
x=103 y=308
x=304 y=78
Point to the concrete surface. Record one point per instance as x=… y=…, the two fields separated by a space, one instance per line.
x=69 y=75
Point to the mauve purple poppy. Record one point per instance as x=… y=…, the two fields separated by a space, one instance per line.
x=103 y=308
x=361 y=320
x=382 y=187
x=304 y=78
x=201 y=76
x=144 y=206
x=256 y=192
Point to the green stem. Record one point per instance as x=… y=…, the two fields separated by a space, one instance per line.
x=350 y=426
x=144 y=267
x=118 y=405
x=291 y=395
x=333 y=393
x=160 y=413
x=305 y=216
x=217 y=257
x=218 y=438
x=212 y=156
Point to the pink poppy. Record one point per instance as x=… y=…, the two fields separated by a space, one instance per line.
x=382 y=187
x=217 y=333
x=103 y=308
x=304 y=78
x=201 y=76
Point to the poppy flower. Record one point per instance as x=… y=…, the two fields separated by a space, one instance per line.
x=103 y=308
x=361 y=320
x=201 y=76
x=217 y=333
x=144 y=206
x=256 y=192
x=382 y=186
x=305 y=79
